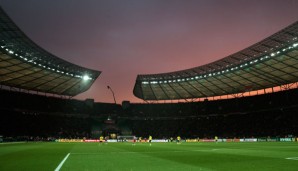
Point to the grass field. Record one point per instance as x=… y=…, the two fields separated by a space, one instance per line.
x=160 y=156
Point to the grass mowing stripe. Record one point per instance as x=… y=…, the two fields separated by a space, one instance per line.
x=144 y=152
x=62 y=162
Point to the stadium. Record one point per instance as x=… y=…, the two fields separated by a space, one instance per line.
x=237 y=113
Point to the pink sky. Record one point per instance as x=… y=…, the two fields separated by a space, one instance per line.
x=126 y=38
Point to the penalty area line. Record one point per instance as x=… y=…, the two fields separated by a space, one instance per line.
x=292 y=158
x=62 y=162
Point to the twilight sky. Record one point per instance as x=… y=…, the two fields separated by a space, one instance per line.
x=123 y=38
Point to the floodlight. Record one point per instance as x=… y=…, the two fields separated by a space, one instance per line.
x=86 y=77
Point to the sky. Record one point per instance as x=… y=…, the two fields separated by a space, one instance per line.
x=124 y=38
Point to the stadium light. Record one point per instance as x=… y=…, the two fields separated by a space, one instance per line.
x=86 y=77
x=222 y=71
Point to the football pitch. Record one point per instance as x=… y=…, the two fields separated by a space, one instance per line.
x=159 y=156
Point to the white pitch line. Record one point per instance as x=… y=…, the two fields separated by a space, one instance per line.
x=292 y=158
x=62 y=162
x=6 y=143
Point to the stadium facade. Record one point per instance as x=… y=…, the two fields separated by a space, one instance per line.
x=269 y=63
x=25 y=65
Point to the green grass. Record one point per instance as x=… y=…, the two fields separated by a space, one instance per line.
x=160 y=156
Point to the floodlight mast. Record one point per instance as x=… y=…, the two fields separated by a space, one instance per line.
x=112 y=93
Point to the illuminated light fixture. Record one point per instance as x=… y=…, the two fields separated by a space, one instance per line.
x=294 y=45
x=11 y=52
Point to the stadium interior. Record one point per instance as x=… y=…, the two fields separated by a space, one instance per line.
x=37 y=89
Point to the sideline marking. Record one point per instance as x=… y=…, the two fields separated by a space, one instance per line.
x=292 y=158
x=5 y=143
x=62 y=162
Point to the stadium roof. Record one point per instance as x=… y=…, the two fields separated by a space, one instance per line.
x=268 y=63
x=25 y=65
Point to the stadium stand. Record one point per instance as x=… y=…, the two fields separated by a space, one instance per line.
x=265 y=115
x=272 y=114
x=269 y=63
x=31 y=115
x=26 y=67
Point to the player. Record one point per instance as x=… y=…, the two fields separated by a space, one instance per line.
x=140 y=139
x=134 y=140
x=100 y=139
x=178 y=139
x=106 y=139
x=216 y=139
x=150 y=139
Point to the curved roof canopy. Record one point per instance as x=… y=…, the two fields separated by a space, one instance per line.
x=268 y=63
x=25 y=65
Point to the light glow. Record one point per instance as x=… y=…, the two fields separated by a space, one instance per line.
x=86 y=77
